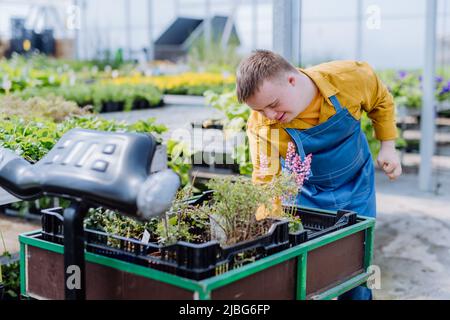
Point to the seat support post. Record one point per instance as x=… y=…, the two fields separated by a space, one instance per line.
x=74 y=263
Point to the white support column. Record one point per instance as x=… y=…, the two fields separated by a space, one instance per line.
x=151 y=43
x=286 y=29
x=76 y=31
x=128 y=29
x=254 y=24
x=296 y=31
x=207 y=24
x=84 y=30
x=359 y=29
x=176 y=11
x=427 y=126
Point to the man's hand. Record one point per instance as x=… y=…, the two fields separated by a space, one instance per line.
x=389 y=160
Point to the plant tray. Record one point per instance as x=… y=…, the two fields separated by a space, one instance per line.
x=321 y=268
x=200 y=261
x=189 y=260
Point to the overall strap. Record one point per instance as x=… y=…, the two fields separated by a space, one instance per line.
x=335 y=103
x=294 y=134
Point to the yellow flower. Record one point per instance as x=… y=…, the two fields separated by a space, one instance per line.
x=170 y=82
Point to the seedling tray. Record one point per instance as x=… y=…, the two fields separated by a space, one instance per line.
x=204 y=260
x=323 y=267
x=190 y=260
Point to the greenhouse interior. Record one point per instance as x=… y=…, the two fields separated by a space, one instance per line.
x=225 y=150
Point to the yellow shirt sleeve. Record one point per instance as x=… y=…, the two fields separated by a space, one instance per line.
x=377 y=102
x=264 y=143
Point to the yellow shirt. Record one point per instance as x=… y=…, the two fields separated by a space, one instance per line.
x=310 y=116
x=357 y=88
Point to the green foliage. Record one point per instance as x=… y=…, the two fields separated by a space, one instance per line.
x=406 y=86
x=228 y=104
x=374 y=144
x=39 y=71
x=214 y=58
x=232 y=209
x=183 y=222
x=295 y=223
x=367 y=128
x=55 y=108
x=32 y=139
x=100 y=93
x=10 y=277
x=199 y=90
x=236 y=201
x=112 y=222
x=179 y=159
x=235 y=123
x=188 y=225
x=19 y=73
x=9 y=273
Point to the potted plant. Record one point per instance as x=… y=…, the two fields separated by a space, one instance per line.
x=234 y=155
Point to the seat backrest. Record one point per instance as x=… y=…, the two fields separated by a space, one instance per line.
x=102 y=168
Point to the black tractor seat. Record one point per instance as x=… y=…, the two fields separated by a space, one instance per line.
x=101 y=168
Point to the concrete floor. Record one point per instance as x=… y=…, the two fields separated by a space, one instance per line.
x=10 y=228
x=412 y=239
x=412 y=235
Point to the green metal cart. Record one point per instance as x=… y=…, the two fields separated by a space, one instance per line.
x=322 y=268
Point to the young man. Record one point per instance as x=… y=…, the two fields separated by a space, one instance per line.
x=319 y=109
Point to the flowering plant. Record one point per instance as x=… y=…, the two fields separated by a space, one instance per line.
x=301 y=170
x=285 y=187
x=191 y=83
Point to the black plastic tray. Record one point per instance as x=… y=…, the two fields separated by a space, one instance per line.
x=200 y=261
x=190 y=260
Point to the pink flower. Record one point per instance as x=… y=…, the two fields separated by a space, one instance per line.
x=301 y=170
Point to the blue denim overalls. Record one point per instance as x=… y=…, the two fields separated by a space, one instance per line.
x=342 y=170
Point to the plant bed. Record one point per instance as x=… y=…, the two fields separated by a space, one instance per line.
x=321 y=268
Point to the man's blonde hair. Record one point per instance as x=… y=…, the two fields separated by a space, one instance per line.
x=259 y=66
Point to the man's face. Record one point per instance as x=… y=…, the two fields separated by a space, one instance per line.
x=278 y=99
